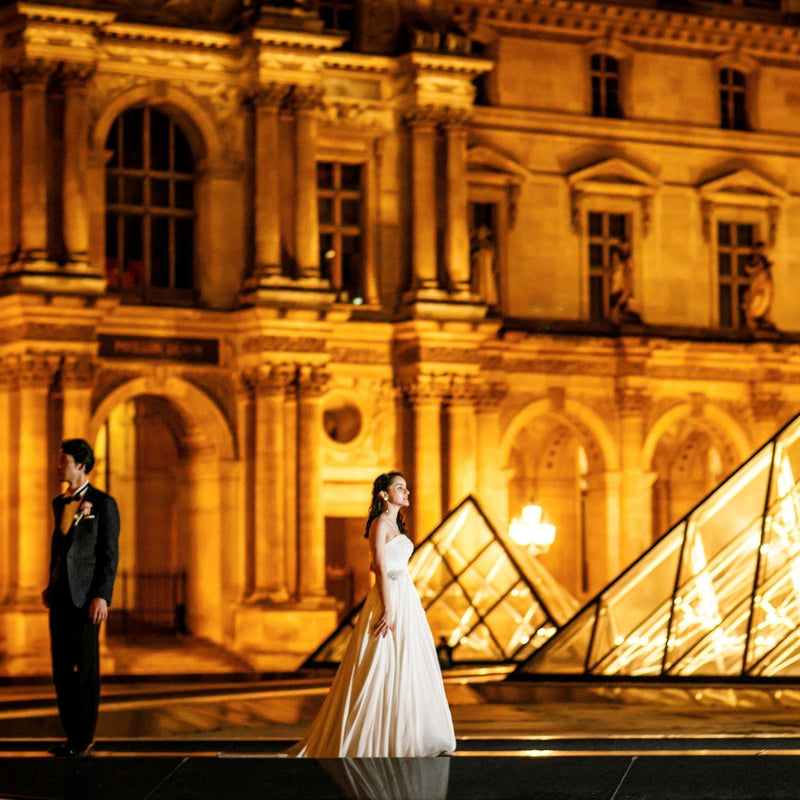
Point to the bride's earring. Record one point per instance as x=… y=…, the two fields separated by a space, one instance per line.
x=385 y=505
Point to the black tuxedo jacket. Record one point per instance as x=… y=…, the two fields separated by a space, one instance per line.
x=94 y=553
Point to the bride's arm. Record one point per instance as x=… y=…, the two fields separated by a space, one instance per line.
x=377 y=546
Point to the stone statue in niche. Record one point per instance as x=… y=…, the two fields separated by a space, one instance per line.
x=484 y=266
x=757 y=303
x=621 y=291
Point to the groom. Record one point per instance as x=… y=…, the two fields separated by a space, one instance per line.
x=83 y=564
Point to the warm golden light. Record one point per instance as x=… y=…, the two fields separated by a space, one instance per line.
x=528 y=530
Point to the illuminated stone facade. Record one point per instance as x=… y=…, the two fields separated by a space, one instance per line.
x=257 y=261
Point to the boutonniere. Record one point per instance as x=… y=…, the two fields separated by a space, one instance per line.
x=84 y=512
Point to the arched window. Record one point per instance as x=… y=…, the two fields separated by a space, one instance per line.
x=732 y=96
x=150 y=199
x=605 y=86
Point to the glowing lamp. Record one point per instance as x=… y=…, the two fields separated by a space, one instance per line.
x=528 y=530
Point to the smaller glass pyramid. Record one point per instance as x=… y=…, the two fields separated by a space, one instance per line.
x=489 y=605
x=716 y=596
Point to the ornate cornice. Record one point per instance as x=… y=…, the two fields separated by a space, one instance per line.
x=583 y=22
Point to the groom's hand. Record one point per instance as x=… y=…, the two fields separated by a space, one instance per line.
x=98 y=610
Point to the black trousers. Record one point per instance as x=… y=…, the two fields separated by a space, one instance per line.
x=75 y=650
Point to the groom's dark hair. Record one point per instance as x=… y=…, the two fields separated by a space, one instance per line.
x=81 y=451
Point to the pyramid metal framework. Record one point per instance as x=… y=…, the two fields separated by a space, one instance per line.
x=491 y=606
x=718 y=596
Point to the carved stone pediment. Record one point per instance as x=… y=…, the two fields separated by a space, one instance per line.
x=614 y=177
x=485 y=159
x=743 y=187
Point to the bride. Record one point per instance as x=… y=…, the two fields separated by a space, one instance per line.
x=387 y=698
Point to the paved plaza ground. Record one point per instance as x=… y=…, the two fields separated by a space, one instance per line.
x=222 y=737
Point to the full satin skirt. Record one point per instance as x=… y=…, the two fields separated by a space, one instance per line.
x=387 y=698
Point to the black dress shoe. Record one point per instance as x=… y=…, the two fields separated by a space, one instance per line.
x=61 y=750
x=67 y=750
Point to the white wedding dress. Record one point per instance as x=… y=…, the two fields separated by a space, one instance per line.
x=387 y=698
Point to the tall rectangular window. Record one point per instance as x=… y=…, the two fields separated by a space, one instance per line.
x=337 y=15
x=732 y=96
x=734 y=251
x=150 y=209
x=340 y=199
x=606 y=232
x=605 y=86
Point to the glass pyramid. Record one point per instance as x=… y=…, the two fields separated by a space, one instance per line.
x=716 y=596
x=490 y=603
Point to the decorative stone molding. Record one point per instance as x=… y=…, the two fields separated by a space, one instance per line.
x=490 y=394
x=616 y=178
x=312 y=381
x=490 y=169
x=75 y=75
x=8 y=79
x=34 y=370
x=423 y=117
x=636 y=26
x=77 y=371
x=36 y=72
x=284 y=344
x=270 y=95
x=273 y=379
x=632 y=401
x=766 y=406
x=304 y=98
x=744 y=190
x=425 y=388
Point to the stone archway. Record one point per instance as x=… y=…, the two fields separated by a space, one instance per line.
x=554 y=459
x=164 y=451
x=689 y=451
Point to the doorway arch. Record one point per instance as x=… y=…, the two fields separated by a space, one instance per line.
x=165 y=451
x=559 y=459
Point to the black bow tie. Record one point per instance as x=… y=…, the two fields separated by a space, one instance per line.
x=72 y=499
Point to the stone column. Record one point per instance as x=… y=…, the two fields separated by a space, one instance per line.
x=422 y=126
x=77 y=374
x=491 y=490
x=424 y=394
x=291 y=467
x=461 y=441
x=457 y=227
x=768 y=412
x=305 y=100
x=6 y=474
x=312 y=382
x=34 y=77
x=32 y=517
x=267 y=181
x=7 y=240
x=76 y=164
x=635 y=499
x=204 y=530
x=270 y=481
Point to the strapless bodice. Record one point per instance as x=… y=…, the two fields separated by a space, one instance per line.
x=398 y=551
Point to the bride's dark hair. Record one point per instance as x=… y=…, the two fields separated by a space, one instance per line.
x=382 y=484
